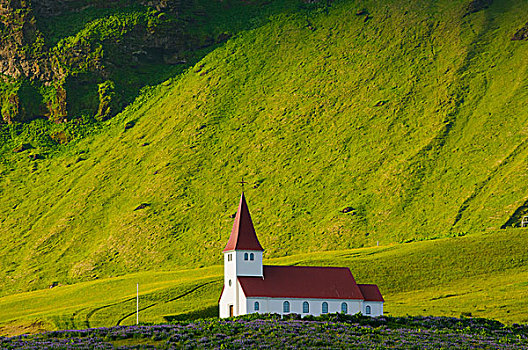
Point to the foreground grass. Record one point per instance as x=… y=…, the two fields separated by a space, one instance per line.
x=447 y=277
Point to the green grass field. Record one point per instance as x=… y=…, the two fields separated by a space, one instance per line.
x=445 y=277
x=413 y=117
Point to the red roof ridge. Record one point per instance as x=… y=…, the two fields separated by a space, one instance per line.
x=243 y=236
x=302 y=282
x=308 y=267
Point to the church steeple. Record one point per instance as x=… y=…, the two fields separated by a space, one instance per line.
x=243 y=236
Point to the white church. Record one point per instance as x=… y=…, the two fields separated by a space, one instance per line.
x=251 y=287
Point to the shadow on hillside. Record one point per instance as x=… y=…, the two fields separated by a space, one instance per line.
x=208 y=312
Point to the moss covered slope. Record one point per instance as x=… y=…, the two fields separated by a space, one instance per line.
x=358 y=123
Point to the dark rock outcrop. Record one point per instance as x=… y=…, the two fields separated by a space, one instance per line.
x=521 y=34
x=477 y=5
x=23 y=147
x=142 y=206
x=25 y=63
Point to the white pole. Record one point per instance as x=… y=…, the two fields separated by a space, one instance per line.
x=137 y=303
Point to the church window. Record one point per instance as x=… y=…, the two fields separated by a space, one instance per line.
x=251 y=256
x=229 y=257
x=286 y=307
x=325 y=307
x=257 y=306
x=245 y=256
x=229 y=283
x=306 y=307
x=367 y=310
x=344 y=308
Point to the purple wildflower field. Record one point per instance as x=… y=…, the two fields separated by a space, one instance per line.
x=272 y=332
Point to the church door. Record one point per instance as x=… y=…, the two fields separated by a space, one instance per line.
x=230 y=310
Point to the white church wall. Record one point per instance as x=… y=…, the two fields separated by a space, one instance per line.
x=242 y=301
x=228 y=298
x=223 y=306
x=376 y=308
x=230 y=268
x=233 y=295
x=275 y=305
x=230 y=280
x=249 y=267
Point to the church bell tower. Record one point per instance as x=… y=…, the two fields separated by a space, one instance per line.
x=242 y=258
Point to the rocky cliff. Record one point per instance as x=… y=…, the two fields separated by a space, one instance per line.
x=48 y=70
x=23 y=58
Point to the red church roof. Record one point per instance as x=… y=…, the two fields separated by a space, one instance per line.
x=370 y=292
x=302 y=282
x=243 y=236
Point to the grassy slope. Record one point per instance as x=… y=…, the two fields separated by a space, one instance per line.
x=413 y=117
x=442 y=277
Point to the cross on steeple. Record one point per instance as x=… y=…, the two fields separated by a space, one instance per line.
x=242 y=183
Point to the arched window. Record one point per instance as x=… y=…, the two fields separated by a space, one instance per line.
x=306 y=307
x=257 y=306
x=344 y=308
x=245 y=256
x=367 y=310
x=286 y=307
x=251 y=256
x=325 y=307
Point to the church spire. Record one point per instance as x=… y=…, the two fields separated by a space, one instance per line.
x=243 y=236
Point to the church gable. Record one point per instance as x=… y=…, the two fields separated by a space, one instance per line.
x=370 y=292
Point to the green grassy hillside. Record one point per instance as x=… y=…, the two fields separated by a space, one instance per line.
x=409 y=114
x=469 y=275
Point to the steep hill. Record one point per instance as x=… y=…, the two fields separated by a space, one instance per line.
x=354 y=123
